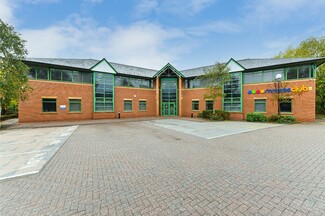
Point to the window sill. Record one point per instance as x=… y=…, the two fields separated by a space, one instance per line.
x=49 y=113
x=259 y=112
x=286 y=113
x=76 y=112
x=142 y=110
x=195 y=110
x=127 y=111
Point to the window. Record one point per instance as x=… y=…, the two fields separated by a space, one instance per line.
x=38 y=73
x=74 y=105
x=49 y=104
x=195 y=83
x=127 y=105
x=104 y=92
x=133 y=82
x=286 y=106
x=300 y=72
x=142 y=105
x=195 y=105
x=232 y=89
x=209 y=105
x=260 y=105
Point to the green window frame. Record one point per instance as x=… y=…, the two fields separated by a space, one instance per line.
x=232 y=101
x=260 y=105
x=127 y=105
x=133 y=82
x=49 y=105
x=195 y=105
x=142 y=105
x=103 y=92
x=209 y=105
x=41 y=73
x=74 y=105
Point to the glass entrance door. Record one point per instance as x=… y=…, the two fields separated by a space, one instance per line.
x=168 y=95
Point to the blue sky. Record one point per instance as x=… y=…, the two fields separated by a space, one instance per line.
x=150 y=33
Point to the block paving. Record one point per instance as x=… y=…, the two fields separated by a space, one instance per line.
x=134 y=168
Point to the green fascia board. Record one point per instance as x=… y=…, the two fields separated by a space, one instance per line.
x=171 y=67
x=103 y=63
x=240 y=67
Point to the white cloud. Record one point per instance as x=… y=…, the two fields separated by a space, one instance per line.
x=216 y=27
x=257 y=11
x=179 y=7
x=6 y=11
x=142 y=43
x=145 y=7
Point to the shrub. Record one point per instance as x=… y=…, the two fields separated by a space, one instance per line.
x=256 y=117
x=282 y=119
x=199 y=115
x=219 y=115
x=206 y=113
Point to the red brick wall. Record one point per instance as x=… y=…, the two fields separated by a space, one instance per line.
x=31 y=109
x=192 y=94
x=135 y=94
x=303 y=106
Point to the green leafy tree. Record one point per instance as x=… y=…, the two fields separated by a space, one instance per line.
x=214 y=78
x=312 y=47
x=13 y=72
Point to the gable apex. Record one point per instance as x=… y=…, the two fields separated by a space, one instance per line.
x=234 y=66
x=103 y=66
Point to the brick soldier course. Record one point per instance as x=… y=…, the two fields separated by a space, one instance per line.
x=135 y=168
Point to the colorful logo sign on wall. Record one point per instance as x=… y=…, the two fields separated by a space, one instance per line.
x=281 y=90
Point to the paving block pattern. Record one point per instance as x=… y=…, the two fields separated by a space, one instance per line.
x=134 y=168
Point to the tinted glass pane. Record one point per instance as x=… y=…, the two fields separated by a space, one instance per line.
x=285 y=107
x=118 y=81
x=260 y=105
x=258 y=77
x=32 y=73
x=195 y=105
x=268 y=76
x=248 y=78
x=77 y=77
x=304 y=72
x=87 y=77
x=75 y=105
x=292 y=73
x=127 y=105
x=104 y=92
x=142 y=105
x=42 y=73
x=56 y=74
x=49 y=105
x=67 y=75
x=209 y=105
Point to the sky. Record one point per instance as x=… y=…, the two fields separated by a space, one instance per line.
x=151 y=33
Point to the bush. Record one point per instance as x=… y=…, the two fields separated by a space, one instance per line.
x=256 y=117
x=206 y=113
x=199 y=115
x=220 y=115
x=282 y=119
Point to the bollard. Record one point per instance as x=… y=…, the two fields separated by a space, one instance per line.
x=119 y=115
x=192 y=115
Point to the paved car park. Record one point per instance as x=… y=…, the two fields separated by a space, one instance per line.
x=139 y=168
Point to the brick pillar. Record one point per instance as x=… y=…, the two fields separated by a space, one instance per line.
x=180 y=96
x=157 y=96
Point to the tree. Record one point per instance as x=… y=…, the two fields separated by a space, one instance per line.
x=214 y=78
x=13 y=72
x=312 y=47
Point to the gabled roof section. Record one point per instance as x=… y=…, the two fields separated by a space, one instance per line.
x=234 y=66
x=168 y=65
x=194 y=72
x=103 y=66
x=250 y=64
x=133 y=70
x=65 y=62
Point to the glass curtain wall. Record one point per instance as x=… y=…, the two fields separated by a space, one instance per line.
x=104 y=92
x=232 y=101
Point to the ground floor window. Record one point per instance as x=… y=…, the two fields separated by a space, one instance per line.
x=260 y=105
x=286 y=105
x=209 y=105
x=49 y=104
x=74 y=105
x=142 y=105
x=195 y=105
x=127 y=105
